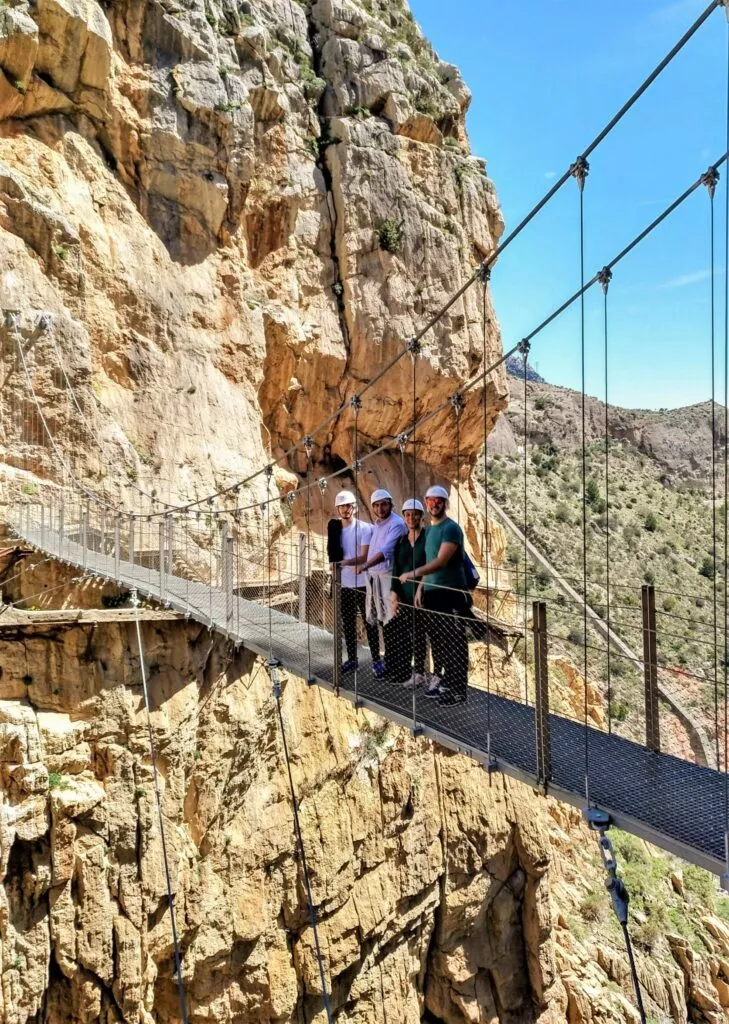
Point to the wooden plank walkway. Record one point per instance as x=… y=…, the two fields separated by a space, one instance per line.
x=673 y=803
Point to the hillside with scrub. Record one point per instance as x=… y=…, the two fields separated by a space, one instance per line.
x=650 y=519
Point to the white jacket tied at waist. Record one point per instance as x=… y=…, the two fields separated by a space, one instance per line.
x=378 y=607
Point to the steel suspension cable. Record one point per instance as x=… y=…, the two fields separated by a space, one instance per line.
x=710 y=182
x=605 y=278
x=486 y=549
x=525 y=353
x=160 y=817
x=725 y=880
x=302 y=852
x=581 y=171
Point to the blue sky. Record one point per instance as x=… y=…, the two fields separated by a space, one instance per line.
x=546 y=75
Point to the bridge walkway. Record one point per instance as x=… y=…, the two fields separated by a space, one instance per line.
x=678 y=805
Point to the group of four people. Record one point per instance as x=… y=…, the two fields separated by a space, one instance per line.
x=411 y=581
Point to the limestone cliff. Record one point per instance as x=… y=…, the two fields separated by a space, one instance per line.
x=236 y=216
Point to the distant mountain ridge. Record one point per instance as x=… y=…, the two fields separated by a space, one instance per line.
x=515 y=368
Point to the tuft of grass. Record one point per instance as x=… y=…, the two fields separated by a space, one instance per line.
x=56 y=780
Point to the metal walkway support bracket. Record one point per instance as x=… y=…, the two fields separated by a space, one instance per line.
x=541 y=688
x=162 y=559
x=117 y=544
x=650 y=669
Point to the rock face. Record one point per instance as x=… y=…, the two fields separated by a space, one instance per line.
x=237 y=216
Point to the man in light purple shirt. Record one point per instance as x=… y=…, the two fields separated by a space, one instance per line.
x=388 y=528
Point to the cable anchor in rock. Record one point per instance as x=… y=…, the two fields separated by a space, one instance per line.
x=600 y=821
x=402 y=440
x=308 y=443
x=323 y=484
x=458 y=403
x=579 y=171
x=604 y=277
x=44 y=323
x=356 y=403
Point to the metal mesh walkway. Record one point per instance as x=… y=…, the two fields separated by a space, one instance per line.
x=675 y=804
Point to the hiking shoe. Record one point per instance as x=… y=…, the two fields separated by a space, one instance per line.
x=378 y=667
x=349 y=665
x=436 y=692
x=416 y=679
x=447 y=698
x=432 y=683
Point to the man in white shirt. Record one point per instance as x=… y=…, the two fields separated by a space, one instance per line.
x=387 y=530
x=356 y=538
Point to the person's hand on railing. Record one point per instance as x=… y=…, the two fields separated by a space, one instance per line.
x=419 y=596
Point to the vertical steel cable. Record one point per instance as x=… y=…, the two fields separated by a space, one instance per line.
x=308 y=450
x=486 y=516
x=414 y=354
x=726 y=489
x=710 y=182
x=302 y=852
x=525 y=353
x=158 y=798
x=581 y=170
x=604 y=277
x=357 y=545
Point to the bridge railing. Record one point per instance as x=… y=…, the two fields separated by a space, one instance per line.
x=204 y=563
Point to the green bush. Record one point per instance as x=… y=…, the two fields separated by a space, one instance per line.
x=707 y=568
x=650 y=523
x=55 y=780
x=389 y=234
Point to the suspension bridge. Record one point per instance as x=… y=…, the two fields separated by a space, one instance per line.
x=195 y=557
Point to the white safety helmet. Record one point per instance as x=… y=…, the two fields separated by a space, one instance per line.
x=412 y=505
x=380 y=495
x=436 y=491
x=345 y=498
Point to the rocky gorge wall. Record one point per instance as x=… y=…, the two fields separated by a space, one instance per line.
x=237 y=215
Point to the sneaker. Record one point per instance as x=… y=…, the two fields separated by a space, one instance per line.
x=447 y=698
x=349 y=665
x=416 y=679
x=432 y=683
x=437 y=691
x=378 y=667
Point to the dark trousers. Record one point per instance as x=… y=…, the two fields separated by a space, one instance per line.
x=446 y=628
x=409 y=657
x=353 y=600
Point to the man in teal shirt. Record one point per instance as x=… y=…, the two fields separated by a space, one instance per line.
x=443 y=595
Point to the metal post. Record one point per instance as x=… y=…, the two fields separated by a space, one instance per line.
x=60 y=527
x=161 y=559
x=131 y=539
x=84 y=534
x=337 y=626
x=650 y=669
x=541 y=688
x=102 y=530
x=302 y=577
x=169 y=519
x=228 y=550
x=43 y=525
x=117 y=545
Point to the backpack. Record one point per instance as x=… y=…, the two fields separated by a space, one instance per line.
x=335 y=553
x=470 y=571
